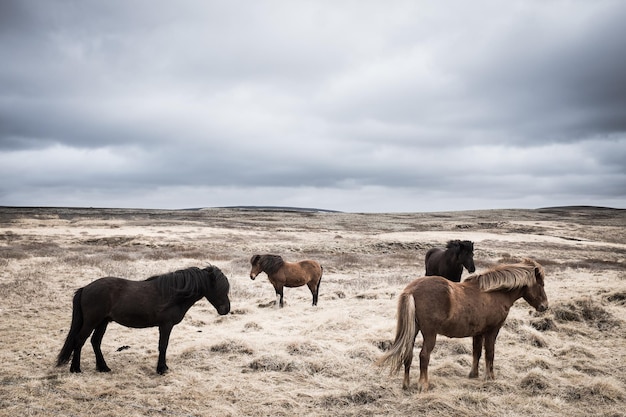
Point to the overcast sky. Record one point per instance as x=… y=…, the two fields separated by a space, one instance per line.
x=361 y=106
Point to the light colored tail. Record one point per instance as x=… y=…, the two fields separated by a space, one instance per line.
x=406 y=330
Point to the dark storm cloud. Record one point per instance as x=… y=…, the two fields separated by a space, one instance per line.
x=368 y=106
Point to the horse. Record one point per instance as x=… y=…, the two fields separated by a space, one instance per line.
x=476 y=307
x=288 y=274
x=449 y=263
x=161 y=300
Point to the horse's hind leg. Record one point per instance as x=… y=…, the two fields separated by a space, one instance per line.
x=81 y=338
x=96 y=341
x=477 y=347
x=314 y=291
x=427 y=348
x=408 y=359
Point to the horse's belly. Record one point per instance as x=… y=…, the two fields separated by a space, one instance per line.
x=458 y=333
x=136 y=322
x=463 y=328
x=136 y=315
x=293 y=284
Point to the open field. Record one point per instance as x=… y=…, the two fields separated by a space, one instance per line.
x=304 y=360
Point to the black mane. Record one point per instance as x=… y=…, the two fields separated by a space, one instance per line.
x=269 y=263
x=189 y=283
x=459 y=246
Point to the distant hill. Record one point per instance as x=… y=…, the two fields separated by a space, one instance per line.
x=279 y=208
x=578 y=208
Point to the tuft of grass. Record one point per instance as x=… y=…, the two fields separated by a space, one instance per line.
x=232 y=346
x=274 y=363
x=535 y=382
x=533 y=337
x=543 y=324
x=588 y=311
x=618 y=298
x=303 y=348
x=595 y=391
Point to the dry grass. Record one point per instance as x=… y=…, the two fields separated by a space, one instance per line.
x=302 y=360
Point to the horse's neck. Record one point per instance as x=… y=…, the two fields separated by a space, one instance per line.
x=187 y=304
x=512 y=295
x=450 y=256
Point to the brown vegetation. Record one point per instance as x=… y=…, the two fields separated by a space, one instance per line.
x=304 y=360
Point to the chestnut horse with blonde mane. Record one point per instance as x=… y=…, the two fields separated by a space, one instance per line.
x=476 y=307
x=288 y=274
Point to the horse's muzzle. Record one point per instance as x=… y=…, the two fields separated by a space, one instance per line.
x=252 y=277
x=542 y=307
x=223 y=309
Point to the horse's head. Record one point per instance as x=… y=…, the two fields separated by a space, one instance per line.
x=256 y=266
x=466 y=255
x=217 y=291
x=535 y=294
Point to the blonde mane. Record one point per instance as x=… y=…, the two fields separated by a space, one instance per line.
x=508 y=277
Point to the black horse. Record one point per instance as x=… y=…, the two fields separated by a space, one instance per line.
x=449 y=263
x=160 y=300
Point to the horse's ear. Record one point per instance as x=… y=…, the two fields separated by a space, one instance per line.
x=539 y=274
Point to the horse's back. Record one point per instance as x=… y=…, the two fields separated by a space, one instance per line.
x=429 y=286
x=130 y=303
x=300 y=273
x=312 y=267
x=431 y=261
x=432 y=299
x=110 y=287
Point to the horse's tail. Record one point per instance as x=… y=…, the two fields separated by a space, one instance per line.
x=406 y=330
x=321 y=275
x=77 y=323
x=316 y=290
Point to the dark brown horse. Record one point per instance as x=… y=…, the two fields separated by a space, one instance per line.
x=477 y=307
x=288 y=274
x=161 y=300
x=449 y=263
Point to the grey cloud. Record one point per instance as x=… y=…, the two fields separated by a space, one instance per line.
x=490 y=103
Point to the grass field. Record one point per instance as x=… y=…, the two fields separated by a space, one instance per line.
x=304 y=360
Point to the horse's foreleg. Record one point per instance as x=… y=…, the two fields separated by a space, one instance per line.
x=164 y=338
x=477 y=347
x=96 y=341
x=490 y=349
x=427 y=348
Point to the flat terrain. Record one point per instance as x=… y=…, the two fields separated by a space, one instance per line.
x=304 y=360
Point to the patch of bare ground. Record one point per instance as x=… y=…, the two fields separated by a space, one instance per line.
x=304 y=360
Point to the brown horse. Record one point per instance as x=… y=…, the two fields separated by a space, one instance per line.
x=288 y=274
x=476 y=307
